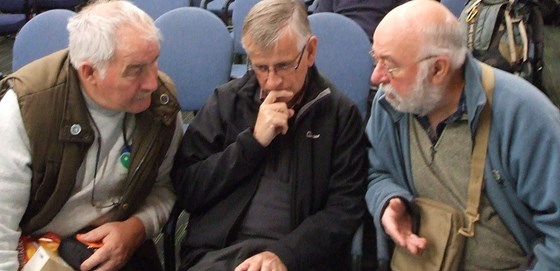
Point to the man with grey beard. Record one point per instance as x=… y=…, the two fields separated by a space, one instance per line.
x=422 y=129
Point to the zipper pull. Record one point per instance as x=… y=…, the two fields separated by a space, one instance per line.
x=498 y=177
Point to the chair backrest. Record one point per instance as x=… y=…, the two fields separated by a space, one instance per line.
x=222 y=8
x=41 y=5
x=342 y=55
x=455 y=6
x=196 y=52
x=156 y=8
x=240 y=10
x=44 y=34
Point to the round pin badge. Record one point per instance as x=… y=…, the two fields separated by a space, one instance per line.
x=125 y=157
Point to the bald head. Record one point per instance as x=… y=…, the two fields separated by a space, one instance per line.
x=409 y=19
x=421 y=27
x=420 y=12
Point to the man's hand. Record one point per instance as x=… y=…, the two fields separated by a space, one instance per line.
x=273 y=117
x=264 y=261
x=397 y=224
x=120 y=240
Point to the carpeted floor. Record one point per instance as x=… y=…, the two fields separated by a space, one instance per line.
x=6 y=44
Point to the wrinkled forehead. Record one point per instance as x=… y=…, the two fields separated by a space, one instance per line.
x=285 y=45
x=396 y=42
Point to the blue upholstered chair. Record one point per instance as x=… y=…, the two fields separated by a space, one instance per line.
x=342 y=55
x=156 y=8
x=222 y=8
x=240 y=10
x=196 y=52
x=44 y=34
x=41 y=5
x=13 y=15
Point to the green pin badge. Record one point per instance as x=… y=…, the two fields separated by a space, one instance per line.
x=125 y=157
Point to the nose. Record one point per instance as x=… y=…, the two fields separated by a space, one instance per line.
x=150 y=81
x=273 y=81
x=378 y=75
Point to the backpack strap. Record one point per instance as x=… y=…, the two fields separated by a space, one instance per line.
x=537 y=34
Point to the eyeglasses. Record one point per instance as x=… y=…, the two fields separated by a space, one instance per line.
x=281 y=69
x=393 y=71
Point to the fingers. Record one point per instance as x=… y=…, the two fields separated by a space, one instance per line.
x=95 y=261
x=95 y=235
x=105 y=258
x=397 y=223
x=117 y=246
x=244 y=266
x=412 y=242
x=415 y=244
x=273 y=117
x=275 y=96
x=89 y=244
x=264 y=261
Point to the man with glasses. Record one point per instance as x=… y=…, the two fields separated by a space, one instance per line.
x=88 y=139
x=422 y=130
x=272 y=168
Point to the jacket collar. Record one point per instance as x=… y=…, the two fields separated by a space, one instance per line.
x=75 y=126
x=475 y=97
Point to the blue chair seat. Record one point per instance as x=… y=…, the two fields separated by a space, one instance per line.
x=11 y=23
x=238 y=70
x=55 y=4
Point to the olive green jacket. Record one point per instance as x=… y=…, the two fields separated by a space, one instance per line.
x=55 y=116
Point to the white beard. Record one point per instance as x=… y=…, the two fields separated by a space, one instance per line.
x=422 y=99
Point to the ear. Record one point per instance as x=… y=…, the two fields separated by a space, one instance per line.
x=312 y=50
x=87 y=73
x=440 y=69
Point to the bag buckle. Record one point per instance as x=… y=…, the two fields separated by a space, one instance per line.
x=469 y=230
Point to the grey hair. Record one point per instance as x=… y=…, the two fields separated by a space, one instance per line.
x=445 y=39
x=267 y=20
x=93 y=32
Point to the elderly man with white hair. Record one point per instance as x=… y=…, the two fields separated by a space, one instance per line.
x=88 y=139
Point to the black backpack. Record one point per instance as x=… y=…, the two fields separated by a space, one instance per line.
x=551 y=11
x=506 y=34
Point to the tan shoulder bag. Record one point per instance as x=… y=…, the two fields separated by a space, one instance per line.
x=443 y=225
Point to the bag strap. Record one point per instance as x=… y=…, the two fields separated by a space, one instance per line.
x=479 y=154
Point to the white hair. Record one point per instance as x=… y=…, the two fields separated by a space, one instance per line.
x=93 y=32
x=268 y=19
x=445 y=39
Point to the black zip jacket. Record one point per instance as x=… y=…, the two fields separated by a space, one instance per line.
x=220 y=163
